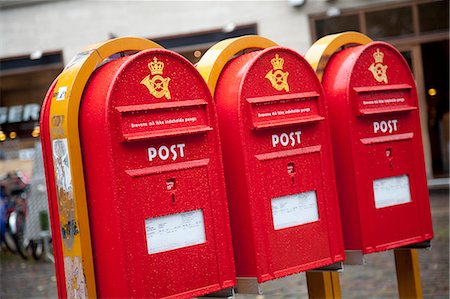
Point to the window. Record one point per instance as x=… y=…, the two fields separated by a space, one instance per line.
x=194 y=45
x=433 y=16
x=337 y=24
x=389 y=23
x=426 y=20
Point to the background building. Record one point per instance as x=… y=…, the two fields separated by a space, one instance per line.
x=37 y=38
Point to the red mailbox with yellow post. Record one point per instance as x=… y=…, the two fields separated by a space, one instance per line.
x=139 y=181
x=377 y=144
x=277 y=159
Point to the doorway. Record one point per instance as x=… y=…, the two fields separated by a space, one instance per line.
x=435 y=60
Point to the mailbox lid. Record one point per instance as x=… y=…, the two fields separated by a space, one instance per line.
x=275 y=92
x=376 y=129
x=152 y=100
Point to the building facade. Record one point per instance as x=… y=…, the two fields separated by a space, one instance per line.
x=39 y=37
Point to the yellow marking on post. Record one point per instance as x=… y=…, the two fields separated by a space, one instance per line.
x=77 y=248
x=215 y=59
x=408 y=274
x=322 y=50
x=323 y=285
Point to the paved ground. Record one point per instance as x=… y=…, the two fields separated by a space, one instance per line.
x=376 y=279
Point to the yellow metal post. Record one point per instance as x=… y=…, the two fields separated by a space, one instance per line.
x=323 y=285
x=408 y=275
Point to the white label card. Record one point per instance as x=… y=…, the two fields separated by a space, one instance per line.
x=391 y=191
x=175 y=231
x=293 y=210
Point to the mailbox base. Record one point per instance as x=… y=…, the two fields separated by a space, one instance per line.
x=225 y=293
x=421 y=245
x=335 y=267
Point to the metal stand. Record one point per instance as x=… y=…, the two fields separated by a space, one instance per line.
x=45 y=235
x=354 y=257
x=246 y=285
x=322 y=282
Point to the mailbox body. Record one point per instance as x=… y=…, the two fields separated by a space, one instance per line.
x=377 y=147
x=278 y=165
x=154 y=180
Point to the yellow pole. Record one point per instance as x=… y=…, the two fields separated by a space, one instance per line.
x=408 y=274
x=323 y=285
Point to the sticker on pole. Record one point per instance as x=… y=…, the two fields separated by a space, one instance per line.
x=175 y=231
x=64 y=192
x=293 y=210
x=61 y=94
x=391 y=191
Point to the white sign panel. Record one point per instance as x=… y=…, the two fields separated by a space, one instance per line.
x=391 y=191
x=175 y=231
x=293 y=210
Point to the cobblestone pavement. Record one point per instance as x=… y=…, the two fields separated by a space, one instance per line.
x=376 y=279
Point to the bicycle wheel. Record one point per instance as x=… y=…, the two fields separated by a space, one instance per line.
x=37 y=249
x=18 y=237
x=9 y=242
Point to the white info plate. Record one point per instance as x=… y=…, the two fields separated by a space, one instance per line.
x=391 y=191
x=175 y=231
x=293 y=210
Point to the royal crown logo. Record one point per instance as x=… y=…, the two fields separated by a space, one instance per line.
x=156 y=67
x=277 y=62
x=378 y=56
x=377 y=68
x=157 y=85
x=276 y=76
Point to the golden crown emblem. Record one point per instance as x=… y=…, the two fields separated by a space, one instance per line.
x=378 y=56
x=156 y=67
x=277 y=62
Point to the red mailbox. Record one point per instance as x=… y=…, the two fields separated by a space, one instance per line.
x=154 y=180
x=278 y=165
x=377 y=144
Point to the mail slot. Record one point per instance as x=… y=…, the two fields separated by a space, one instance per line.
x=278 y=165
x=154 y=179
x=378 y=152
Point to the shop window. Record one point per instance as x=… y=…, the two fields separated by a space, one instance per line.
x=24 y=82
